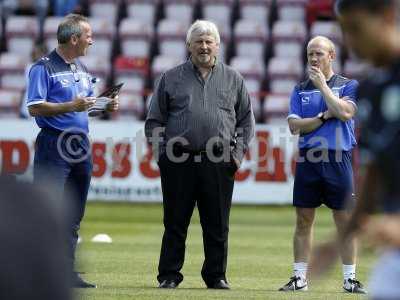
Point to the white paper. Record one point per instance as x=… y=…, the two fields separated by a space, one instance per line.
x=99 y=106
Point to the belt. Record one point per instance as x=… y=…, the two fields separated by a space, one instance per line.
x=180 y=149
x=193 y=152
x=51 y=130
x=58 y=132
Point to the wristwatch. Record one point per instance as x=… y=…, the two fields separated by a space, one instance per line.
x=321 y=117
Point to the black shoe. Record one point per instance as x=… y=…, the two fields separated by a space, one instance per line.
x=168 y=284
x=78 y=282
x=353 y=286
x=219 y=285
x=295 y=284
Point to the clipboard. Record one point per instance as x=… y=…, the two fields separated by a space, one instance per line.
x=112 y=91
x=103 y=99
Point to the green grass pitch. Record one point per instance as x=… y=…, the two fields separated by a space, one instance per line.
x=259 y=261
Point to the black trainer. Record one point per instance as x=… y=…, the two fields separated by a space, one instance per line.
x=353 y=286
x=295 y=283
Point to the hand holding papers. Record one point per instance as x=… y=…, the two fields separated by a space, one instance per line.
x=99 y=107
x=104 y=99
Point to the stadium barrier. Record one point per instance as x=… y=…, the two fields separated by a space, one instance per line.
x=124 y=168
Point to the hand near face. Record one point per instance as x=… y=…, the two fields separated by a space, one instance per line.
x=317 y=77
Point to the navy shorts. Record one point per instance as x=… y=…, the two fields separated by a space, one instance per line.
x=328 y=180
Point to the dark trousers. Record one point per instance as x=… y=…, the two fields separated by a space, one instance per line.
x=210 y=185
x=63 y=165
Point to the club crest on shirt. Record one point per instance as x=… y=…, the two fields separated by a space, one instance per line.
x=305 y=100
x=64 y=82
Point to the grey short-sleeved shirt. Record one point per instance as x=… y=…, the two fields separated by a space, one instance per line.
x=197 y=109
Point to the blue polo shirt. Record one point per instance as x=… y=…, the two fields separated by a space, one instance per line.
x=53 y=80
x=307 y=101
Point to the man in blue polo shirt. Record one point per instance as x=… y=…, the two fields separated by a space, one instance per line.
x=59 y=94
x=321 y=111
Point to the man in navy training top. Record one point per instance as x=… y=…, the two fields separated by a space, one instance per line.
x=321 y=111
x=60 y=92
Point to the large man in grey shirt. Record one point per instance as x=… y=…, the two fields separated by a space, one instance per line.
x=199 y=123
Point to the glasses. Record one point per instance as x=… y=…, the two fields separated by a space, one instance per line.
x=74 y=71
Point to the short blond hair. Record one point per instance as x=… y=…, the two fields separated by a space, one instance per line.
x=201 y=27
x=319 y=38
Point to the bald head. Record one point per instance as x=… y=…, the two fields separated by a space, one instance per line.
x=321 y=54
x=324 y=42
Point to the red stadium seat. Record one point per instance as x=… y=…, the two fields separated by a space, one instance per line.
x=133 y=72
x=219 y=11
x=50 y=31
x=9 y=102
x=288 y=49
x=250 y=38
x=284 y=30
x=330 y=29
x=143 y=10
x=288 y=38
x=138 y=65
x=104 y=9
x=21 y=32
x=249 y=67
x=172 y=38
x=282 y=86
x=97 y=65
x=131 y=105
x=276 y=107
x=162 y=63
x=292 y=10
x=225 y=36
x=285 y=68
x=319 y=9
x=12 y=62
x=12 y=70
x=253 y=86
x=179 y=10
x=258 y=10
x=253 y=73
x=135 y=37
x=103 y=35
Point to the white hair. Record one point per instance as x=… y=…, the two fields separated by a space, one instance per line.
x=201 y=27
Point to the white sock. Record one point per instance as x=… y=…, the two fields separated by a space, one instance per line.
x=349 y=272
x=300 y=269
